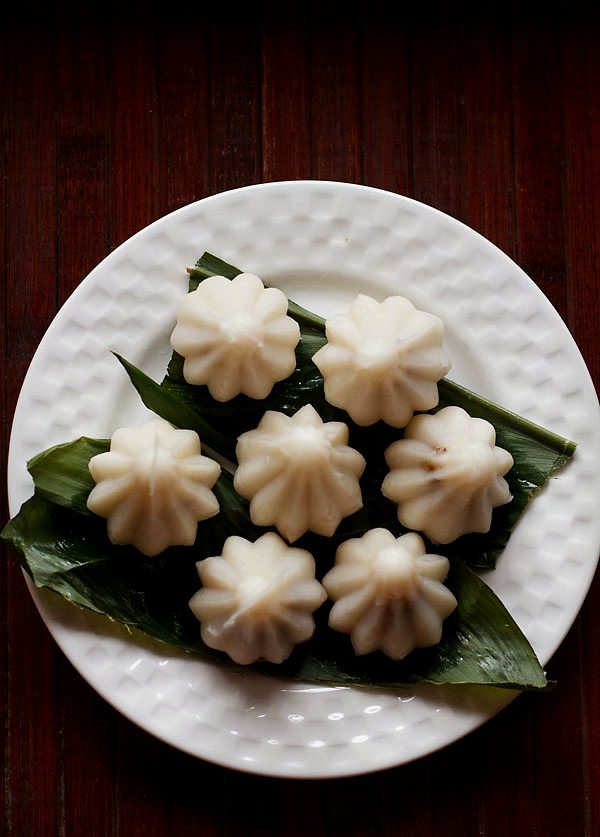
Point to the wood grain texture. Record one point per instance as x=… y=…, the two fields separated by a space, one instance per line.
x=235 y=107
x=109 y=122
x=438 y=114
x=285 y=118
x=581 y=63
x=33 y=756
x=385 y=107
x=489 y=131
x=6 y=407
x=537 y=93
x=132 y=171
x=183 y=75
x=334 y=102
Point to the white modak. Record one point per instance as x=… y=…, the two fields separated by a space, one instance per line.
x=299 y=473
x=383 y=360
x=257 y=599
x=235 y=337
x=389 y=594
x=447 y=475
x=153 y=486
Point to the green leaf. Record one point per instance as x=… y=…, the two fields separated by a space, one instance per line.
x=67 y=550
x=59 y=475
x=165 y=402
x=537 y=452
x=481 y=644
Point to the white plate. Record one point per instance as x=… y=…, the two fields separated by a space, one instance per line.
x=321 y=243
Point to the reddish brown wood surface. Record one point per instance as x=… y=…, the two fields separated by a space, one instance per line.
x=107 y=124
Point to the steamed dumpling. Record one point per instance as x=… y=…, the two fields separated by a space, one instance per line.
x=153 y=486
x=235 y=336
x=257 y=599
x=447 y=475
x=383 y=360
x=299 y=473
x=389 y=595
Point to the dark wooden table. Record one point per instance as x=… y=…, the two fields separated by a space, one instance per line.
x=109 y=123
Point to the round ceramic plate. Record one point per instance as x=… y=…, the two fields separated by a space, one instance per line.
x=322 y=243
